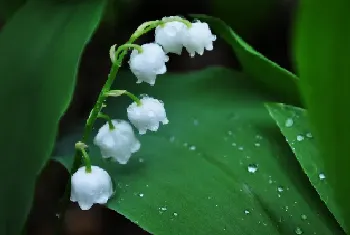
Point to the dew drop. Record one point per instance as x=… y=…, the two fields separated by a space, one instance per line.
x=234 y=144
x=300 y=138
x=246 y=212
x=252 y=168
x=141 y=160
x=172 y=139
x=229 y=133
x=298 y=231
x=309 y=135
x=163 y=208
x=303 y=217
x=195 y=122
x=193 y=148
x=175 y=214
x=322 y=176
x=280 y=189
x=257 y=144
x=143 y=95
x=141 y=194
x=240 y=148
x=289 y=122
x=185 y=144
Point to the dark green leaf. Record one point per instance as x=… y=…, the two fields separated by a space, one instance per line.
x=269 y=74
x=40 y=48
x=322 y=56
x=8 y=8
x=191 y=177
x=294 y=125
x=234 y=13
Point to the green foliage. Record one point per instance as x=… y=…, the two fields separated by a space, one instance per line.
x=245 y=16
x=191 y=176
x=269 y=74
x=294 y=125
x=40 y=48
x=322 y=54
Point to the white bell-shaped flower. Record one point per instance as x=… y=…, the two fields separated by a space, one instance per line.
x=91 y=188
x=119 y=143
x=148 y=115
x=198 y=38
x=148 y=64
x=170 y=35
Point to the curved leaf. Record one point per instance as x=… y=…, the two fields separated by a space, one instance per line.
x=270 y=75
x=192 y=177
x=294 y=125
x=322 y=56
x=40 y=49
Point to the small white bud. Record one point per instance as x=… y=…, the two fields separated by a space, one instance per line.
x=198 y=38
x=148 y=64
x=118 y=144
x=91 y=188
x=170 y=35
x=148 y=115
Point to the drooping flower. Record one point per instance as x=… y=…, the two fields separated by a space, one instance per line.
x=149 y=63
x=119 y=143
x=91 y=188
x=171 y=35
x=147 y=115
x=198 y=38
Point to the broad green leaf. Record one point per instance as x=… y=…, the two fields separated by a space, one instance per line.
x=191 y=177
x=234 y=13
x=40 y=48
x=322 y=52
x=294 y=125
x=269 y=74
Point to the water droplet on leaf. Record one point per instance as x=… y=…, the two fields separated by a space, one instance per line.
x=289 y=122
x=300 y=138
x=298 y=231
x=252 y=168
x=322 y=176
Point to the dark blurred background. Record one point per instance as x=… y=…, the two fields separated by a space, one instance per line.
x=265 y=25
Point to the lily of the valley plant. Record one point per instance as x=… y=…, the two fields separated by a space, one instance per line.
x=116 y=139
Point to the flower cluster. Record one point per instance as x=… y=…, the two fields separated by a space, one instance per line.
x=116 y=139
